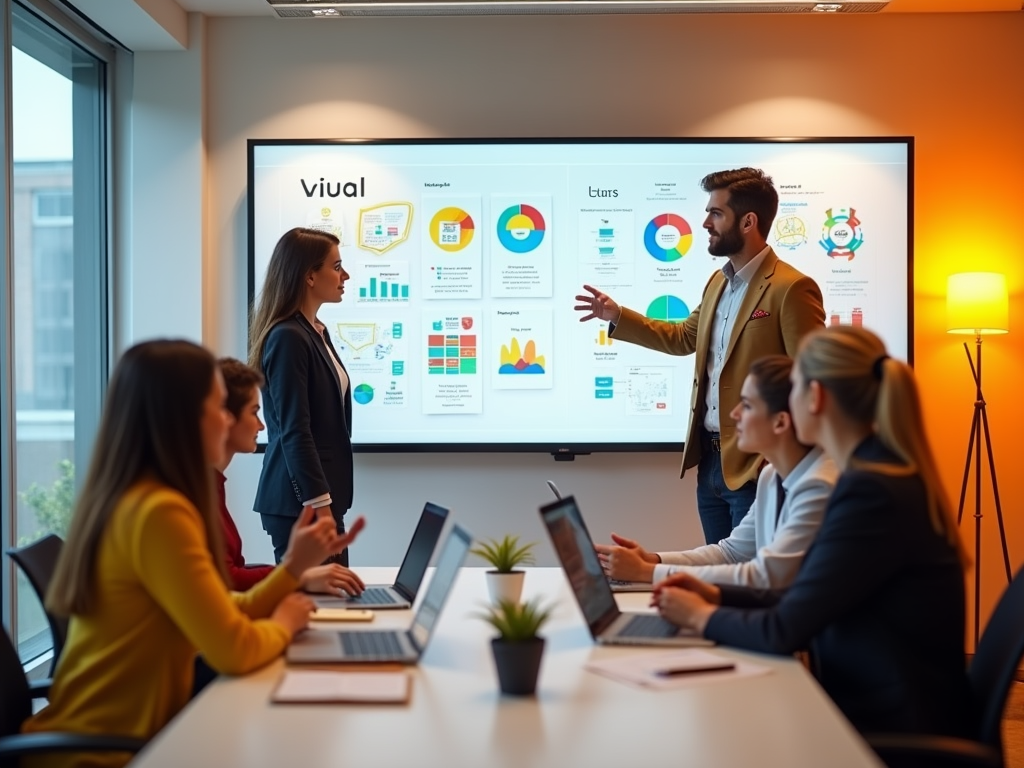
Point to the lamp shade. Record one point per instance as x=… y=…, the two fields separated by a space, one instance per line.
x=977 y=303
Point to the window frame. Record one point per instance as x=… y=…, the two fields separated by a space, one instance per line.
x=94 y=141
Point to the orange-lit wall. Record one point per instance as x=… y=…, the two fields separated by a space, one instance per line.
x=953 y=81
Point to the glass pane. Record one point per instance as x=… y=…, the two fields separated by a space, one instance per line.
x=55 y=93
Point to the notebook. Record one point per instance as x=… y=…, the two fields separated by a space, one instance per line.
x=404 y=646
x=402 y=593
x=303 y=686
x=615 y=584
x=608 y=625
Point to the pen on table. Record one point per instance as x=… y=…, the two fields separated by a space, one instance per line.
x=678 y=671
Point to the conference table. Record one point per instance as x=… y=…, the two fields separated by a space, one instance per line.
x=457 y=717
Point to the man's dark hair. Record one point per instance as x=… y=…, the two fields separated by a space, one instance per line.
x=750 y=191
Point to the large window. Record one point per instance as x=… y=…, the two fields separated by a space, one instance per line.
x=54 y=286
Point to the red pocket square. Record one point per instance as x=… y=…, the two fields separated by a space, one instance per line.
x=759 y=313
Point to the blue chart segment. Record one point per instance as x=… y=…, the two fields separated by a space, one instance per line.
x=670 y=309
x=520 y=228
x=362 y=394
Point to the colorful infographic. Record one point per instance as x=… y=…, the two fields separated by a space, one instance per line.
x=606 y=248
x=668 y=237
x=521 y=228
x=451 y=264
x=520 y=261
x=841 y=233
x=382 y=283
x=382 y=227
x=374 y=353
x=452 y=383
x=670 y=309
x=524 y=339
x=452 y=229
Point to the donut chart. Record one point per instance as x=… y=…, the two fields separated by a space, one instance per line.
x=521 y=228
x=451 y=229
x=362 y=394
x=668 y=237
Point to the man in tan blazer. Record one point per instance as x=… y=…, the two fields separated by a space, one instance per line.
x=755 y=305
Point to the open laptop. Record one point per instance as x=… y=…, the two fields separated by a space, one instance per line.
x=616 y=584
x=404 y=646
x=608 y=625
x=402 y=593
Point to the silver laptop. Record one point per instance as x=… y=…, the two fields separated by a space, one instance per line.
x=401 y=594
x=404 y=646
x=617 y=585
x=607 y=624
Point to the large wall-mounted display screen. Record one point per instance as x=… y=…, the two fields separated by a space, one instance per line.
x=457 y=326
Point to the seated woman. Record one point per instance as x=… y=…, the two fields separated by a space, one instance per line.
x=142 y=573
x=767 y=547
x=243 y=403
x=879 y=599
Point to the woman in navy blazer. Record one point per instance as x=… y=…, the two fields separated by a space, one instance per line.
x=879 y=599
x=307 y=399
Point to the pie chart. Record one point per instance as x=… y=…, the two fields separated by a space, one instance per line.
x=451 y=229
x=362 y=394
x=670 y=309
x=520 y=228
x=668 y=237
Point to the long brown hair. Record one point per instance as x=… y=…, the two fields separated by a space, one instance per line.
x=298 y=252
x=876 y=390
x=150 y=427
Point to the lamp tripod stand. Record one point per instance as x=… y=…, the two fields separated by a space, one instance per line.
x=980 y=422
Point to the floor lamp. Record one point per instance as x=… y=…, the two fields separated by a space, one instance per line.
x=977 y=303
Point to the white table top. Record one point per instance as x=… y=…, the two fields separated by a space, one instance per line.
x=458 y=718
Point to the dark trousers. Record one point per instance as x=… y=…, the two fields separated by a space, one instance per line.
x=720 y=508
x=280 y=529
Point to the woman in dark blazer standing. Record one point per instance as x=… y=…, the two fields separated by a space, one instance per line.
x=307 y=399
x=879 y=599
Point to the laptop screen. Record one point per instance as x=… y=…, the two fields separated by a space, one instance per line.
x=576 y=551
x=456 y=547
x=417 y=557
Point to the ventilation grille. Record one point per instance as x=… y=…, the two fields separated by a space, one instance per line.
x=308 y=9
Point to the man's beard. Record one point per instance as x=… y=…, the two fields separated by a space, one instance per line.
x=728 y=243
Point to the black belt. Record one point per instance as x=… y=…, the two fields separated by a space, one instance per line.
x=713 y=440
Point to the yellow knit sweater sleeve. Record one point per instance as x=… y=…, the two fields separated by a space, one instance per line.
x=174 y=564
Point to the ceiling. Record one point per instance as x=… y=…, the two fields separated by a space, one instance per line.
x=162 y=25
x=262 y=8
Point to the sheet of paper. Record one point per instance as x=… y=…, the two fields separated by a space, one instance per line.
x=649 y=669
x=311 y=686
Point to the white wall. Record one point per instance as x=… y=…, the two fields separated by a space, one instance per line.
x=689 y=75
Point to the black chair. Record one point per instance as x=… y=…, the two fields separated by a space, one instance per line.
x=16 y=706
x=991 y=673
x=39 y=561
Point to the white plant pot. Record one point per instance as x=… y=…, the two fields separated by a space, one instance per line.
x=505 y=586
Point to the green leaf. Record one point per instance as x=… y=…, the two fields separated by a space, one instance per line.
x=516 y=622
x=506 y=554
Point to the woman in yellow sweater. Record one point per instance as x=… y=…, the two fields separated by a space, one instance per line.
x=142 y=573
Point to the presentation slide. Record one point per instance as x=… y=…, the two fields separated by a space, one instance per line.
x=457 y=326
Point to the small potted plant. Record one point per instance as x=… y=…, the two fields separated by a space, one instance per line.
x=504 y=580
x=517 y=649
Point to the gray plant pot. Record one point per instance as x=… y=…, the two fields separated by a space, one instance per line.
x=518 y=665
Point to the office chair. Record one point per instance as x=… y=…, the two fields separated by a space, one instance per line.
x=16 y=706
x=39 y=560
x=991 y=673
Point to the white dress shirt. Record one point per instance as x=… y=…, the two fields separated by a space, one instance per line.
x=762 y=552
x=721 y=329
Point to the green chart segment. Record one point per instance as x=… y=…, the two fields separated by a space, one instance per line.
x=670 y=309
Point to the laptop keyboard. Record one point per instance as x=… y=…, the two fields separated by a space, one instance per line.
x=384 y=645
x=648 y=626
x=375 y=595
